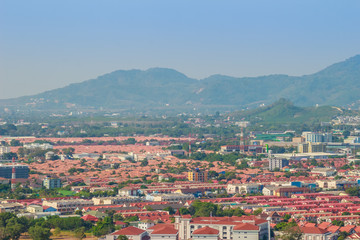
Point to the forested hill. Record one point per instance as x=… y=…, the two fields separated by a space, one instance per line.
x=284 y=111
x=160 y=88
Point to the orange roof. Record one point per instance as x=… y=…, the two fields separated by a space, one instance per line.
x=206 y=231
x=246 y=226
x=333 y=228
x=313 y=230
x=90 y=218
x=164 y=229
x=129 y=231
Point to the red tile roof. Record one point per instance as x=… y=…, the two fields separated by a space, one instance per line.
x=206 y=231
x=246 y=226
x=90 y=218
x=129 y=231
x=333 y=229
x=313 y=230
x=164 y=229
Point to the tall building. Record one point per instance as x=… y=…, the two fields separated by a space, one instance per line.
x=311 y=147
x=197 y=176
x=317 y=137
x=22 y=171
x=4 y=149
x=277 y=163
x=51 y=182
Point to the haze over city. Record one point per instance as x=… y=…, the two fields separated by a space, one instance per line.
x=179 y=120
x=50 y=44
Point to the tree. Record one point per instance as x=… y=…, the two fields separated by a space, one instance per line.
x=170 y=210
x=292 y=233
x=343 y=235
x=57 y=231
x=130 y=141
x=287 y=217
x=79 y=233
x=15 y=143
x=14 y=230
x=144 y=162
x=258 y=211
x=122 y=237
x=39 y=233
x=103 y=227
x=353 y=191
x=346 y=134
x=338 y=223
x=68 y=151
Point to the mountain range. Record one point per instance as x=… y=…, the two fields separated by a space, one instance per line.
x=162 y=88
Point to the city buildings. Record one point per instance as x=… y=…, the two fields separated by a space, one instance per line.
x=52 y=182
x=277 y=163
x=22 y=171
x=198 y=176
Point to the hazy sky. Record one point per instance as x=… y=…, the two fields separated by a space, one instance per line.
x=49 y=44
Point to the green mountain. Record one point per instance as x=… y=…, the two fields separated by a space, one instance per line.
x=161 y=89
x=284 y=111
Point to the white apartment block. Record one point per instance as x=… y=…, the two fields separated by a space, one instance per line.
x=249 y=227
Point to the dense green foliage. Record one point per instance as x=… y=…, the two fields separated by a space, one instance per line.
x=205 y=209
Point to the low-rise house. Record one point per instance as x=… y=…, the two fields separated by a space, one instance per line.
x=145 y=224
x=246 y=230
x=133 y=233
x=114 y=200
x=128 y=191
x=243 y=188
x=269 y=190
x=10 y=207
x=163 y=231
x=69 y=205
x=170 y=197
x=288 y=191
x=205 y=232
x=311 y=233
x=327 y=172
x=34 y=208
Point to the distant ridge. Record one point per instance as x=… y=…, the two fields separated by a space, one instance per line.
x=284 y=111
x=162 y=88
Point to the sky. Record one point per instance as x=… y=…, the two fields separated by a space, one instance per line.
x=49 y=44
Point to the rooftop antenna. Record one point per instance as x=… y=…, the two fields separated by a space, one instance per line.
x=13 y=175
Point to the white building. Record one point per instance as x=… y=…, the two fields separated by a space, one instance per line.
x=131 y=232
x=42 y=146
x=163 y=231
x=34 y=209
x=145 y=224
x=4 y=149
x=205 y=232
x=327 y=172
x=243 y=188
x=228 y=227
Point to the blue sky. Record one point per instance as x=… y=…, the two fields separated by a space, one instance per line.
x=50 y=44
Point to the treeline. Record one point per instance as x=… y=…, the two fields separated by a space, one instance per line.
x=207 y=209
